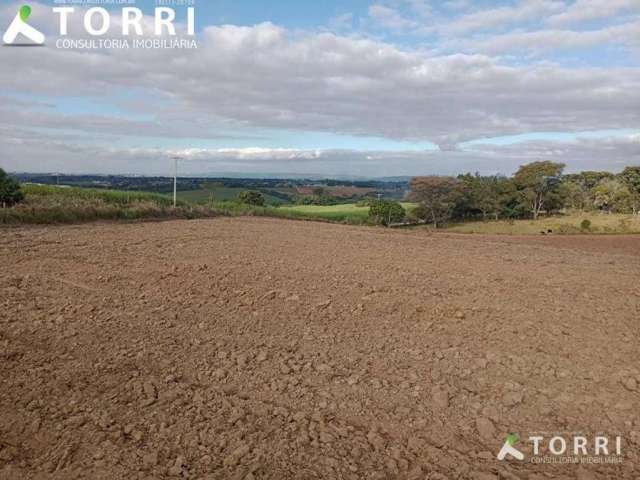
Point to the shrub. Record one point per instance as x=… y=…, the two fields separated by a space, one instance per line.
x=585 y=225
x=10 y=192
x=385 y=212
x=251 y=197
x=567 y=229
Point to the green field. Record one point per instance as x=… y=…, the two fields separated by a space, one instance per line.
x=58 y=204
x=347 y=212
x=214 y=193
x=566 y=224
x=112 y=197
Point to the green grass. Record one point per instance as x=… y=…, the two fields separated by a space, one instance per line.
x=347 y=212
x=564 y=224
x=46 y=204
x=214 y=193
x=111 y=197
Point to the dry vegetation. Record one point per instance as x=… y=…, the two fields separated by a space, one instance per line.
x=560 y=224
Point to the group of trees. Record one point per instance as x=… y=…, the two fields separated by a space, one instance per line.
x=386 y=212
x=10 y=192
x=251 y=197
x=319 y=196
x=536 y=188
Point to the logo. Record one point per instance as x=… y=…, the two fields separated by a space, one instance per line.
x=564 y=448
x=509 y=449
x=19 y=26
x=102 y=33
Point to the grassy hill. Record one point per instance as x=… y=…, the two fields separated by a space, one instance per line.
x=563 y=224
x=59 y=204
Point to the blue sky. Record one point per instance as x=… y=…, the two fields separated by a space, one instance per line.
x=351 y=87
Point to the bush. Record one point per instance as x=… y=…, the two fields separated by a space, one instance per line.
x=585 y=225
x=567 y=229
x=385 y=212
x=251 y=197
x=10 y=192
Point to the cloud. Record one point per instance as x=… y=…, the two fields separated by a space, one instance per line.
x=390 y=18
x=26 y=151
x=422 y=8
x=551 y=40
x=606 y=153
x=341 y=22
x=486 y=19
x=585 y=10
x=265 y=77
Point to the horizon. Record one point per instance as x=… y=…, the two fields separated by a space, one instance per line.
x=372 y=89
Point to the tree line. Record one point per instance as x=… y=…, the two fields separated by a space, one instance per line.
x=536 y=188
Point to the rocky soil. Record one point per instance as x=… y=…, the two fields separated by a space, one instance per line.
x=262 y=348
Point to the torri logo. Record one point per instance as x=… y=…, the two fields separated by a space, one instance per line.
x=97 y=25
x=19 y=27
x=571 y=448
x=508 y=448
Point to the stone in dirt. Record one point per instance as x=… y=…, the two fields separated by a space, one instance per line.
x=486 y=429
x=440 y=397
x=631 y=384
x=150 y=459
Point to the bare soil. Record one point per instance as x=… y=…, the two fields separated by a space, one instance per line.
x=259 y=348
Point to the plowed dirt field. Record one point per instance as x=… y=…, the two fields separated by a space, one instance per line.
x=260 y=348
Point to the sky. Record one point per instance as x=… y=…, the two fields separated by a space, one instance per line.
x=355 y=87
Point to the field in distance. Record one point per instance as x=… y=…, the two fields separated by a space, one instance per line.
x=214 y=192
x=574 y=223
x=346 y=212
x=52 y=204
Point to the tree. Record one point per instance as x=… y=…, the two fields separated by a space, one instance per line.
x=10 y=192
x=576 y=196
x=612 y=196
x=508 y=198
x=591 y=179
x=479 y=195
x=538 y=184
x=437 y=197
x=251 y=197
x=318 y=191
x=631 y=177
x=386 y=212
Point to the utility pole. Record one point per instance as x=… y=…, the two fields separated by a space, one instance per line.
x=175 y=179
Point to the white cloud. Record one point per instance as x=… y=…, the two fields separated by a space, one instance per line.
x=341 y=22
x=585 y=10
x=263 y=76
x=551 y=40
x=390 y=18
x=26 y=151
x=498 y=17
x=266 y=77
